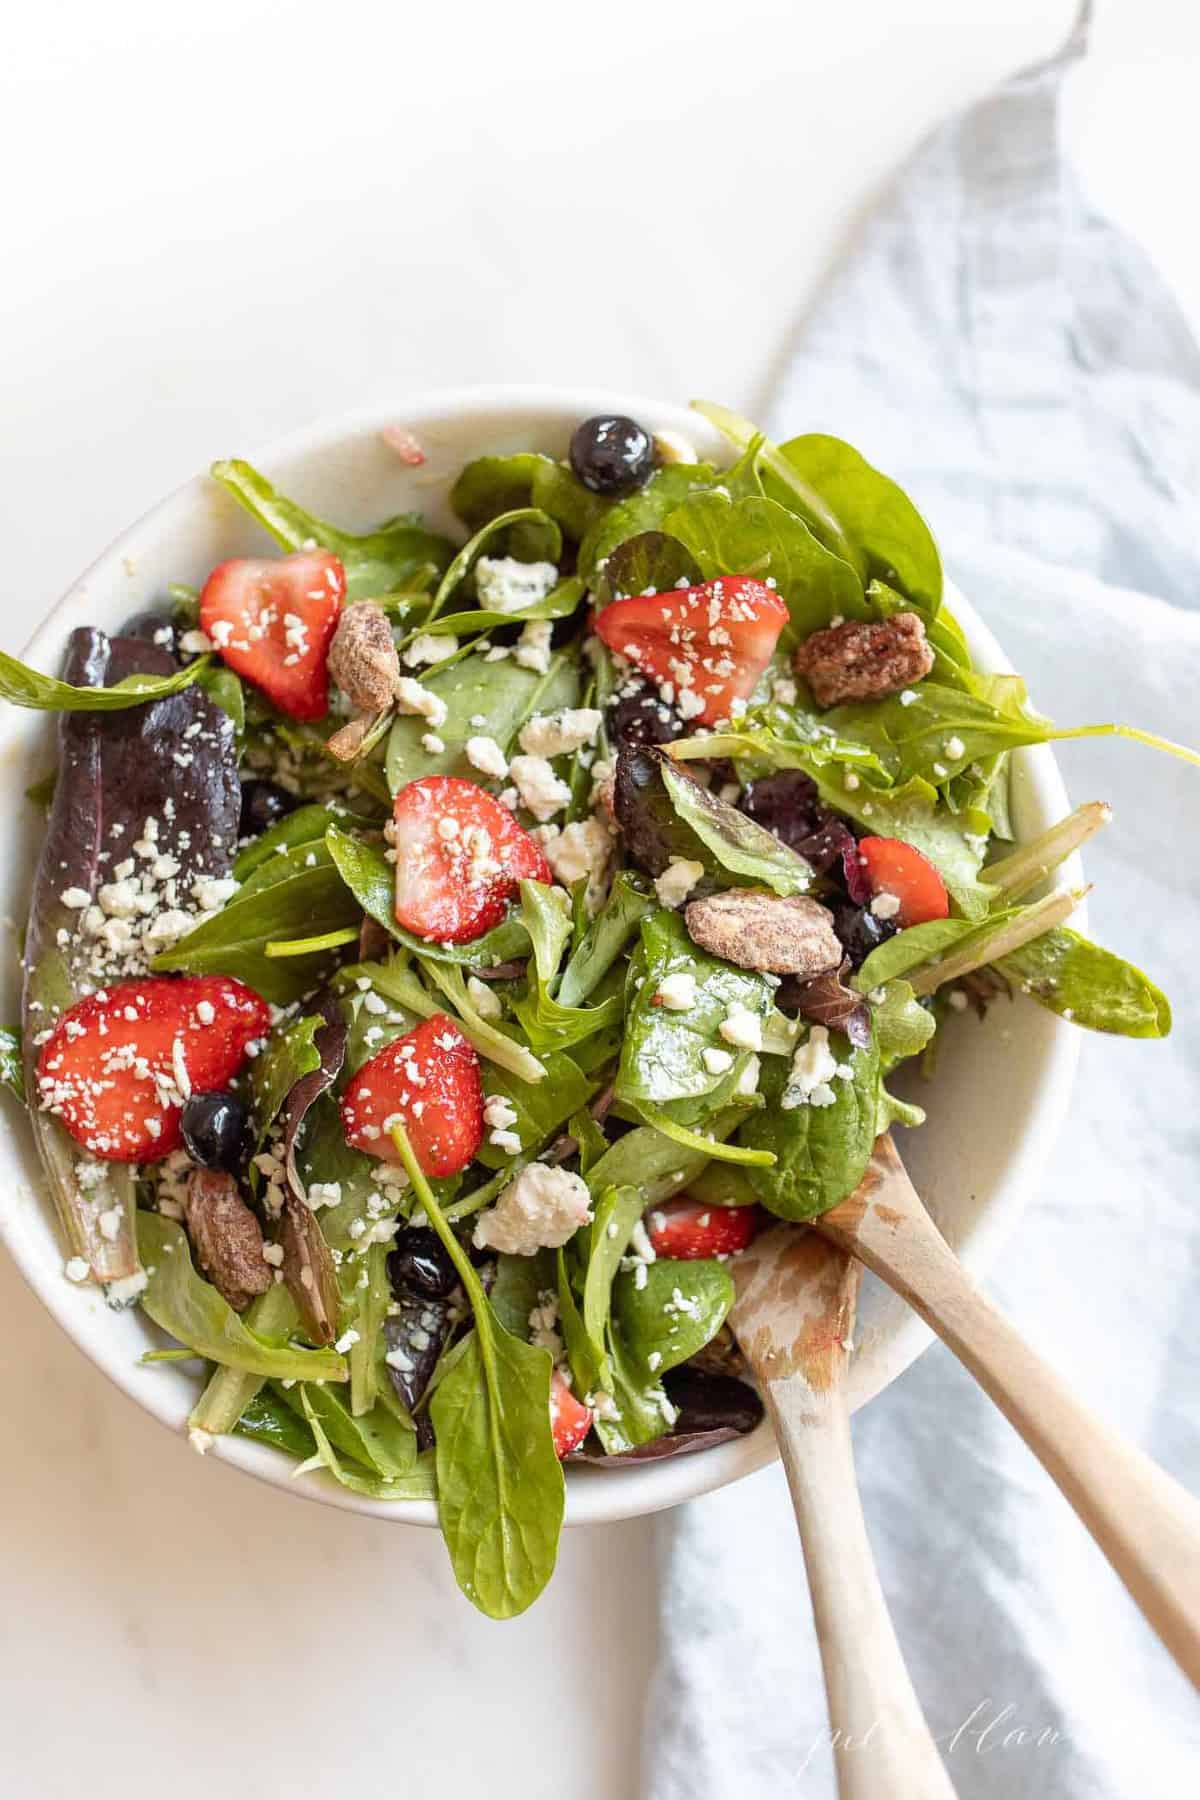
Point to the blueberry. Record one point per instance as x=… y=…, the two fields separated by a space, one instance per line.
x=860 y=931
x=263 y=804
x=420 y=1264
x=216 y=1130
x=612 y=455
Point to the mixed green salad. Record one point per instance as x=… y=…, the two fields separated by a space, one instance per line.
x=445 y=955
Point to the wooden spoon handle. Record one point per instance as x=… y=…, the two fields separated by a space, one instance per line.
x=1147 y=1525
x=881 y=1744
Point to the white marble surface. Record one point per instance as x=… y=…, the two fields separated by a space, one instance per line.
x=217 y=227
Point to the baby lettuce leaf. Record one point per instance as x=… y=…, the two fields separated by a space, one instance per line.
x=662 y=1055
x=652 y=559
x=376 y=1440
x=901 y=1025
x=647 y=1159
x=228 y=1392
x=23 y=686
x=761 y=538
x=502 y=695
x=419 y=1484
x=296 y=895
x=606 y=937
x=643 y=511
x=302 y=829
x=500 y=1485
x=193 y=1312
x=876 y=515
x=289 y=1055
x=12 y=1070
x=821 y=1152
x=1091 y=986
x=548 y=1024
x=740 y=846
x=364 y=868
x=909 y=950
x=518 y=1284
x=378 y=562
x=267 y=1420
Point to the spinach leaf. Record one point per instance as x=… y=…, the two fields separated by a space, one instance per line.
x=590 y=1369
x=266 y=1420
x=519 y=1283
x=643 y=511
x=226 y=691
x=558 y=490
x=366 y=871
x=379 y=562
x=12 y=1070
x=491 y=485
x=627 y=905
x=193 y=1312
x=908 y=950
x=1091 y=986
x=22 y=686
x=289 y=1055
x=294 y=895
x=559 y=603
x=492 y=1042
x=763 y=539
x=500 y=1485
x=876 y=515
x=541 y=1107
x=645 y=1158
x=650 y=560
x=500 y=695
x=821 y=1151
x=662 y=1056
x=739 y=845
x=301 y=829
x=680 y=1308
x=616 y=1213
x=377 y=1440
x=418 y=1485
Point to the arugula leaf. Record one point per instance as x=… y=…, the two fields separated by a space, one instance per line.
x=502 y=695
x=12 y=1069
x=761 y=538
x=738 y=844
x=289 y=897
x=378 y=562
x=289 y=1055
x=662 y=1055
x=877 y=516
x=643 y=511
x=500 y=1485
x=366 y=871
x=22 y=686
x=1089 y=985
x=194 y=1313
x=627 y=905
x=821 y=1151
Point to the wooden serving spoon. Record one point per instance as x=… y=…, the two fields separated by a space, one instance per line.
x=793 y=1317
x=1147 y=1525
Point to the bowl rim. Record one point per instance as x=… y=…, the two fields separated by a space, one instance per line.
x=594 y=1496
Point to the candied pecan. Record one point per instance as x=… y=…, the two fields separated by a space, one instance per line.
x=857 y=661
x=226 y=1237
x=362 y=658
x=759 y=930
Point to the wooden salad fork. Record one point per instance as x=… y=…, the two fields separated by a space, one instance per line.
x=793 y=1318
x=1147 y=1525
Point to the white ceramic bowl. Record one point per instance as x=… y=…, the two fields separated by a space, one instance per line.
x=994 y=1106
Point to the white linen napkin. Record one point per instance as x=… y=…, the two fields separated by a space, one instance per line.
x=1017 y=365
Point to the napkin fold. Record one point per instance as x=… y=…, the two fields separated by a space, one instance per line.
x=1015 y=362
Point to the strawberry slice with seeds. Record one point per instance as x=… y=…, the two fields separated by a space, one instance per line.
x=460 y=857
x=705 y=646
x=570 y=1419
x=684 y=1229
x=906 y=886
x=272 y=622
x=428 y=1081
x=119 y=1064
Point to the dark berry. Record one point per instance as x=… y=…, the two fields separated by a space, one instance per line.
x=263 y=804
x=860 y=932
x=420 y=1264
x=612 y=455
x=216 y=1130
x=640 y=717
x=152 y=628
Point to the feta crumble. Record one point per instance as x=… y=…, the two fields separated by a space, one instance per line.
x=540 y=1209
x=505 y=585
x=677 y=992
x=677 y=881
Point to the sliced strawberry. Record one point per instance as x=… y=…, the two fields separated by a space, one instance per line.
x=119 y=1064
x=272 y=622
x=570 y=1419
x=898 y=872
x=685 y=1229
x=708 y=645
x=459 y=858
x=427 y=1081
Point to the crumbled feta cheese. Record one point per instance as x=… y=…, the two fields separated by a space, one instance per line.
x=427 y=647
x=677 y=881
x=852 y=781
x=741 y=1027
x=411 y=697
x=347 y=1341
x=273 y=1253
x=540 y=789
x=746 y=1084
x=677 y=992
x=814 y=1067
x=483 y=998
x=561 y=734
x=75 y=898
x=958 y=1000
x=717 y=1062
x=885 y=905
x=533 y=650
x=432 y=744
x=908 y=697
x=77 y=1268
x=200 y=1440
x=195 y=643
x=485 y=754
x=110 y=1224
x=783 y=691
x=954 y=748
x=505 y=585
x=582 y=848
x=540 y=1209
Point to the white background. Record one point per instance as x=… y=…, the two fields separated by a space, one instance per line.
x=216 y=224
